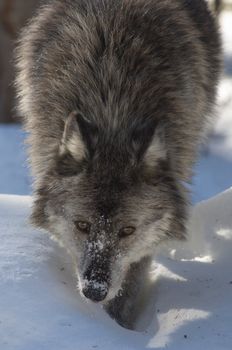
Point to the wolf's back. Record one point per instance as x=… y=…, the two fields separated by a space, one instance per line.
x=124 y=65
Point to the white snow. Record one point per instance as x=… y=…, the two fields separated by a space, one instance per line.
x=14 y=177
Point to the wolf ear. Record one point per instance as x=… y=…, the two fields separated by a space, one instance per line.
x=149 y=142
x=79 y=137
x=156 y=150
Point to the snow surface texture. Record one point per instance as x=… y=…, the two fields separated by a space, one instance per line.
x=189 y=306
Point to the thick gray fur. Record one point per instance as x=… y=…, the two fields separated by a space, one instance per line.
x=116 y=96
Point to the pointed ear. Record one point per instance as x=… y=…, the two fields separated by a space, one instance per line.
x=156 y=150
x=148 y=141
x=78 y=138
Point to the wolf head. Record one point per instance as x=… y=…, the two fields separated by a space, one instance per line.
x=110 y=199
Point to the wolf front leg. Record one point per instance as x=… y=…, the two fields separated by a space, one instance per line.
x=125 y=307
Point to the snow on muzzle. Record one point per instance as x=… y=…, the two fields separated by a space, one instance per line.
x=95 y=283
x=95 y=291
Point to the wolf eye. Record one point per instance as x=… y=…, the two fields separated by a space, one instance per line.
x=126 y=231
x=83 y=226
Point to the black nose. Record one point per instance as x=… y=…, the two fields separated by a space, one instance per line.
x=95 y=291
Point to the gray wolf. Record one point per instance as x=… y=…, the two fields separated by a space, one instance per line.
x=116 y=96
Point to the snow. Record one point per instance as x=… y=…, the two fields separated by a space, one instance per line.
x=199 y=305
x=188 y=305
x=14 y=169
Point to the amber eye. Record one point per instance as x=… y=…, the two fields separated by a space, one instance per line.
x=126 y=231
x=83 y=226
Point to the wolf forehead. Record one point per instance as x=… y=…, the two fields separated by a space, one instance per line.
x=100 y=199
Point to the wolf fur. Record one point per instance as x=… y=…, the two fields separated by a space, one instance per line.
x=116 y=96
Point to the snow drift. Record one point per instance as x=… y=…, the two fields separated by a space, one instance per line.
x=189 y=306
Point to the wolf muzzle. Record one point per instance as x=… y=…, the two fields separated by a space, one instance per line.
x=96 y=283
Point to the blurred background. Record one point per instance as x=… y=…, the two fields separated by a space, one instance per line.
x=213 y=172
